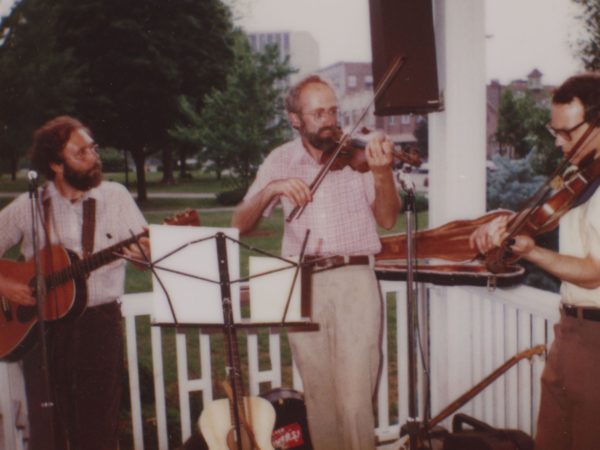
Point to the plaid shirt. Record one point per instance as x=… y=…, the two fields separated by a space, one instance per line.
x=340 y=217
x=117 y=216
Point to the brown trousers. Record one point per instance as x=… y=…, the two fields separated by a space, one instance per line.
x=569 y=416
x=86 y=374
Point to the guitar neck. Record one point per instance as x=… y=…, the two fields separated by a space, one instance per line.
x=236 y=377
x=96 y=260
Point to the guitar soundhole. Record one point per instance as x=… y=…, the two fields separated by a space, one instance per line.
x=26 y=313
x=232 y=441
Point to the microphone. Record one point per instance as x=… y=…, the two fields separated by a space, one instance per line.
x=32 y=176
x=406 y=182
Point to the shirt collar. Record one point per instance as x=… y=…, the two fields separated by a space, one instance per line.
x=53 y=193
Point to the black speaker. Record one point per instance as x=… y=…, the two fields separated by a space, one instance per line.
x=405 y=28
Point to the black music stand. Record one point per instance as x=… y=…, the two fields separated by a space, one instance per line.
x=229 y=325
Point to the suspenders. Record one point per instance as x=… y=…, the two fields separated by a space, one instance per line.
x=88 y=227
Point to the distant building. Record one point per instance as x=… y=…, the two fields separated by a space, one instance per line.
x=353 y=83
x=299 y=46
x=533 y=86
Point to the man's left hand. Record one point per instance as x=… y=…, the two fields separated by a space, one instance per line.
x=379 y=153
x=136 y=251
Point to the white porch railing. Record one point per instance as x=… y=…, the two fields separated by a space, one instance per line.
x=12 y=408
x=469 y=332
x=485 y=328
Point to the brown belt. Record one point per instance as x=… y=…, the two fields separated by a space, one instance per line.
x=337 y=260
x=584 y=313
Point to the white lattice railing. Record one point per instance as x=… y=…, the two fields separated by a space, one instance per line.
x=469 y=332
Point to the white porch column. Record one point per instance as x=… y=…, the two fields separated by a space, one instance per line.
x=457 y=135
x=457 y=178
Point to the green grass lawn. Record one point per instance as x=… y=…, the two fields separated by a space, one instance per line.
x=198 y=182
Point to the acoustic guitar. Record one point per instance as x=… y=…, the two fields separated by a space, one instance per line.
x=66 y=291
x=257 y=420
x=256 y=415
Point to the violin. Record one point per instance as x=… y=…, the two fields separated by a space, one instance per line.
x=352 y=153
x=561 y=192
x=545 y=216
x=388 y=76
x=564 y=190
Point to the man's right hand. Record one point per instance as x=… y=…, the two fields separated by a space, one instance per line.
x=16 y=292
x=294 y=189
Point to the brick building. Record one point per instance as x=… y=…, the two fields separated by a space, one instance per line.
x=353 y=83
x=533 y=86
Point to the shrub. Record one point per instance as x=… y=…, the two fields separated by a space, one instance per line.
x=232 y=197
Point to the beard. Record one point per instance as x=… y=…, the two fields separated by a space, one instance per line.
x=83 y=181
x=324 y=139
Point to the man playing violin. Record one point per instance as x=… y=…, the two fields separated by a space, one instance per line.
x=80 y=212
x=339 y=364
x=570 y=404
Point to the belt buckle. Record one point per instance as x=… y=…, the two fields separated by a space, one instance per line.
x=571 y=310
x=329 y=262
x=332 y=262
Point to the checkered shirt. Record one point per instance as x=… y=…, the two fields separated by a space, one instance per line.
x=340 y=217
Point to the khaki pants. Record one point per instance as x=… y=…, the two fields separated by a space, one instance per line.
x=340 y=363
x=569 y=416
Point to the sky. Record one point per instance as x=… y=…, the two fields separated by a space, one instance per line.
x=521 y=34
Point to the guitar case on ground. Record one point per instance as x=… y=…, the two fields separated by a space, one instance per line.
x=481 y=436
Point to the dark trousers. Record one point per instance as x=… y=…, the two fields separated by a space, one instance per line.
x=570 y=405
x=86 y=370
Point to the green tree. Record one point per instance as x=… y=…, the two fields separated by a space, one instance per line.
x=137 y=58
x=512 y=184
x=522 y=128
x=589 y=44
x=36 y=83
x=131 y=60
x=242 y=122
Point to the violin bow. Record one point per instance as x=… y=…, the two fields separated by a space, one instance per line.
x=387 y=78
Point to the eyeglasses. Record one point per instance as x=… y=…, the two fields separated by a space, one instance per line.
x=82 y=152
x=562 y=132
x=321 y=113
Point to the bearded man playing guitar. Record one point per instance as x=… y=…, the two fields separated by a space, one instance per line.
x=81 y=213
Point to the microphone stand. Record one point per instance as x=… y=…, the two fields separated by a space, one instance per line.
x=413 y=425
x=46 y=404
